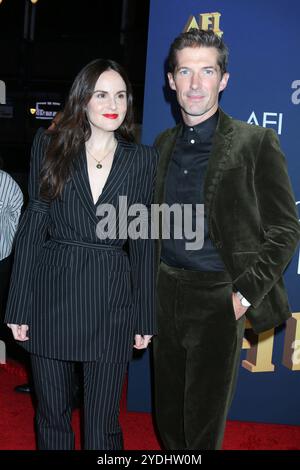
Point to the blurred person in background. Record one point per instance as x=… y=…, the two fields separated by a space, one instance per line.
x=11 y=201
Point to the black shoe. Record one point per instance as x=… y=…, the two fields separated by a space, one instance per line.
x=24 y=388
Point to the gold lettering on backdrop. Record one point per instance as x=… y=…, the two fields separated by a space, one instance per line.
x=191 y=23
x=291 y=352
x=260 y=347
x=211 y=21
x=206 y=21
x=260 y=350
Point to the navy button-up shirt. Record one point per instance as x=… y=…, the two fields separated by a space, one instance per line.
x=185 y=185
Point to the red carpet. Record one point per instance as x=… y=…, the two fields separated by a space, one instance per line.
x=17 y=432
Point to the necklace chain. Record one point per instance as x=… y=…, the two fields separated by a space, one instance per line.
x=99 y=166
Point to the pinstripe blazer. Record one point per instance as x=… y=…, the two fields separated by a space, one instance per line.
x=82 y=302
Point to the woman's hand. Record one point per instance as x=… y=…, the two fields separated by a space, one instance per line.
x=19 y=331
x=142 y=341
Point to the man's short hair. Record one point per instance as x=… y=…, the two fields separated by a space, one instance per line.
x=198 y=38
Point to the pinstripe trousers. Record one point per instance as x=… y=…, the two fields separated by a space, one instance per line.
x=53 y=381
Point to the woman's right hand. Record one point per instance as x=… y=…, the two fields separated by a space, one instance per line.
x=19 y=331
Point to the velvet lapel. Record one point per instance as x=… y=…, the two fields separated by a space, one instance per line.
x=221 y=149
x=165 y=151
x=123 y=160
x=165 y=147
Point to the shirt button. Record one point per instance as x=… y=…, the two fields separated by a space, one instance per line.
x=192 y=141
x=185 y=172
x=191 y=129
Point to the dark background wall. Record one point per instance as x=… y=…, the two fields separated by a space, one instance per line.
x=42 y=48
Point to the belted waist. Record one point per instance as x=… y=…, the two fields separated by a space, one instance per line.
x=94 y=246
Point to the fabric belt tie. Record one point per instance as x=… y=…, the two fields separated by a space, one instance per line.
x=94 y=246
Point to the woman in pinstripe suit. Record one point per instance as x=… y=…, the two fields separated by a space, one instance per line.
x=73 y=296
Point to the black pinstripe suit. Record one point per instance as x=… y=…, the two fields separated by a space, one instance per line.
x=83 y=298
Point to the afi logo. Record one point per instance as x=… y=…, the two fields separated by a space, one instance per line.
x=260 y=348
x=268 y=118
x=206 y=21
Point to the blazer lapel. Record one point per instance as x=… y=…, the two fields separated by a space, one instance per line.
x=122 y=163
x=222 y=143
x=221 y=149
x=82 y=185
x=165 y=148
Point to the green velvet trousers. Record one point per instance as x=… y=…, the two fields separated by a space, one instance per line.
x=196 y=357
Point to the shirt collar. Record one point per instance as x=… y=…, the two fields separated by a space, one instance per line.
x=203 y=131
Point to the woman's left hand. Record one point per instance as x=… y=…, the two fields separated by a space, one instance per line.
x=142 y=341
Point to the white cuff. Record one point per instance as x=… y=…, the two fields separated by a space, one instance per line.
x=243 y=300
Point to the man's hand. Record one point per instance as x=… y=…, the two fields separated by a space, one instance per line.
x=142 y=341
x=19 y=331
x=238 y=308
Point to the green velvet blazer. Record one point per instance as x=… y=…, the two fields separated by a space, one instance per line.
x=251 y=211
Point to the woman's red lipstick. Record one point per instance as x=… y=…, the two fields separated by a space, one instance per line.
x=111 y=116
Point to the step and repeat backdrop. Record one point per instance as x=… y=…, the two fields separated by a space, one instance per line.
x=264 y=89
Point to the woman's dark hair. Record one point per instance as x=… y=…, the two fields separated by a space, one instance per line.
x=73 y=128
x=198 y=38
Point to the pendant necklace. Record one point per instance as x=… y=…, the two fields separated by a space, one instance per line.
x=99 y=166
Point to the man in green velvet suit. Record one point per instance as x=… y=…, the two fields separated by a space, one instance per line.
x=251 y=231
